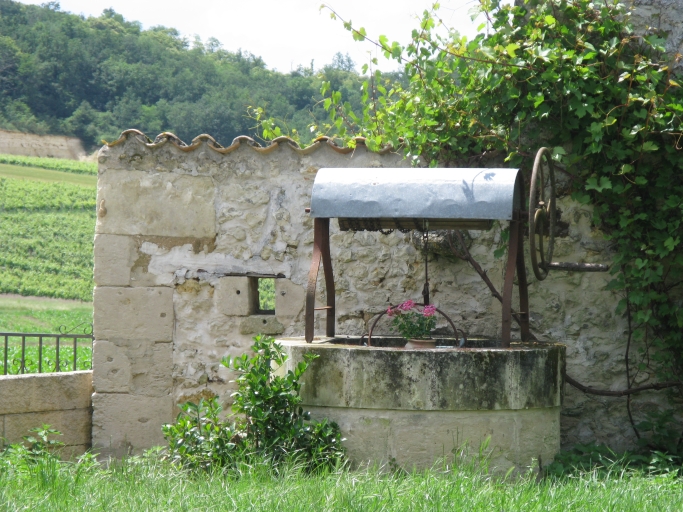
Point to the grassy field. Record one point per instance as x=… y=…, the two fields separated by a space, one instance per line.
x=36 y=174
x=148 y=485
x=57 y=164
x=46 y=235
x=32 y=314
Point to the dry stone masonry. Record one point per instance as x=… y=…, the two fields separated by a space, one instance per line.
x=184 y=233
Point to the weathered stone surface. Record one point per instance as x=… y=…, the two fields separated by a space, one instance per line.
x=527 y=376
x=664 y=15
x=290 y=299
x=162 y=204
x=111 y=368
x=114 y=257
x=45 y=392
x=133 y=313
x=235 y=296
x=74 y=424
x=124 y=424
x=417 y=439
x=138 y=367
x=261 y=324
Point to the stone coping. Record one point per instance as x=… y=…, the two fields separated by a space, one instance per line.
x=528 y=375
x=208 y=140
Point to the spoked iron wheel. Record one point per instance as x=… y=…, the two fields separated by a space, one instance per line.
x=542 y=213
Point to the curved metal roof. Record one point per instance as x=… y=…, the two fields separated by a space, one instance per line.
x=415 y=193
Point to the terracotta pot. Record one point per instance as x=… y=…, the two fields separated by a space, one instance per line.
x=420 y=344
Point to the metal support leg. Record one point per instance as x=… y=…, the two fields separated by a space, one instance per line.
x=509 y=278
x=523 y=289
x=329 y=277
x=321 y=252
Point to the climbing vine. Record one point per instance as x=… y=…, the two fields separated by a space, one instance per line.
x=571 y=75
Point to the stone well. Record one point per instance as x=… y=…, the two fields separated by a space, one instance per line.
x=413 y=407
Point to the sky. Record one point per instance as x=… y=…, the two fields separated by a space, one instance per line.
x=285 y=33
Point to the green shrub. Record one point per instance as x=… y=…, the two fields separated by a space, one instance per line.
x=38 y=447
x=199 y=439
x=268 y=422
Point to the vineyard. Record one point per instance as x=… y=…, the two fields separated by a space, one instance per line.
x=46 y=235
x=55 y=164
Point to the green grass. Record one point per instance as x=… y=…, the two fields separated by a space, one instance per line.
x=56 y=164
x=138 y=484
x=23 y=314
x=33 y=173
x=46 y=235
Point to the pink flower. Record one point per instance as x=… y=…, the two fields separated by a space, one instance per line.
x=390 y=311
x=406 y=306
x=429 y=310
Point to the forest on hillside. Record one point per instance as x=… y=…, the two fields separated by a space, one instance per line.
x=93 y=77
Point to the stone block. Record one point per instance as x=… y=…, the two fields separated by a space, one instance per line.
x=138 y=367
x=418 y=439
x=161 y=204
x=45 y=392
x=524 y=377
x=290 y=299
x=133 y=313
x=124 y=424
x=111 y=368
x=236 y=296
x=74 y=424
x=114 y=257
x=261 y=324
x=152 y=369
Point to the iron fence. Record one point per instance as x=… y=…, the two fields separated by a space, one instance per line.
x=24 y=352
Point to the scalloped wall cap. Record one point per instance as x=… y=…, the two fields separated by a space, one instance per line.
x=168 y=137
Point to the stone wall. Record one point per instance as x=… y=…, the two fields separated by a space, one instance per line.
x=661 y=15
x=182 y=231
x=61 y=400
x=28 y=144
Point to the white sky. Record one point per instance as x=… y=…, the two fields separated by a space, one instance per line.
x=285 y=33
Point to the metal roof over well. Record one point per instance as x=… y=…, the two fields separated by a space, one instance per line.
x=452 y=194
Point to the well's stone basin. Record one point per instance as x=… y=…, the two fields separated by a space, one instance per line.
x=415 y=406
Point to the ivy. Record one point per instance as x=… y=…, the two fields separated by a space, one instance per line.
x=571 y=75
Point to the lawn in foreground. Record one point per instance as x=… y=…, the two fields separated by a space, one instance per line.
x=149 y=485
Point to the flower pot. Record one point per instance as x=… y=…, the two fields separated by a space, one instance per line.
x=416 y=344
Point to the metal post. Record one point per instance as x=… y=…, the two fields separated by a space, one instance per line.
x=23 y=353
x=513 y=244
x=329 y=277
x=321 y=252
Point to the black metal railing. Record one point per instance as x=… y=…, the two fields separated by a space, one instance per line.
x=24 y=352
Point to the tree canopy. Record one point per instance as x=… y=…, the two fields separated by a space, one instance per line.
x=93 y=77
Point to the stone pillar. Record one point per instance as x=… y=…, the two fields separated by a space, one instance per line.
x=134 y=318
